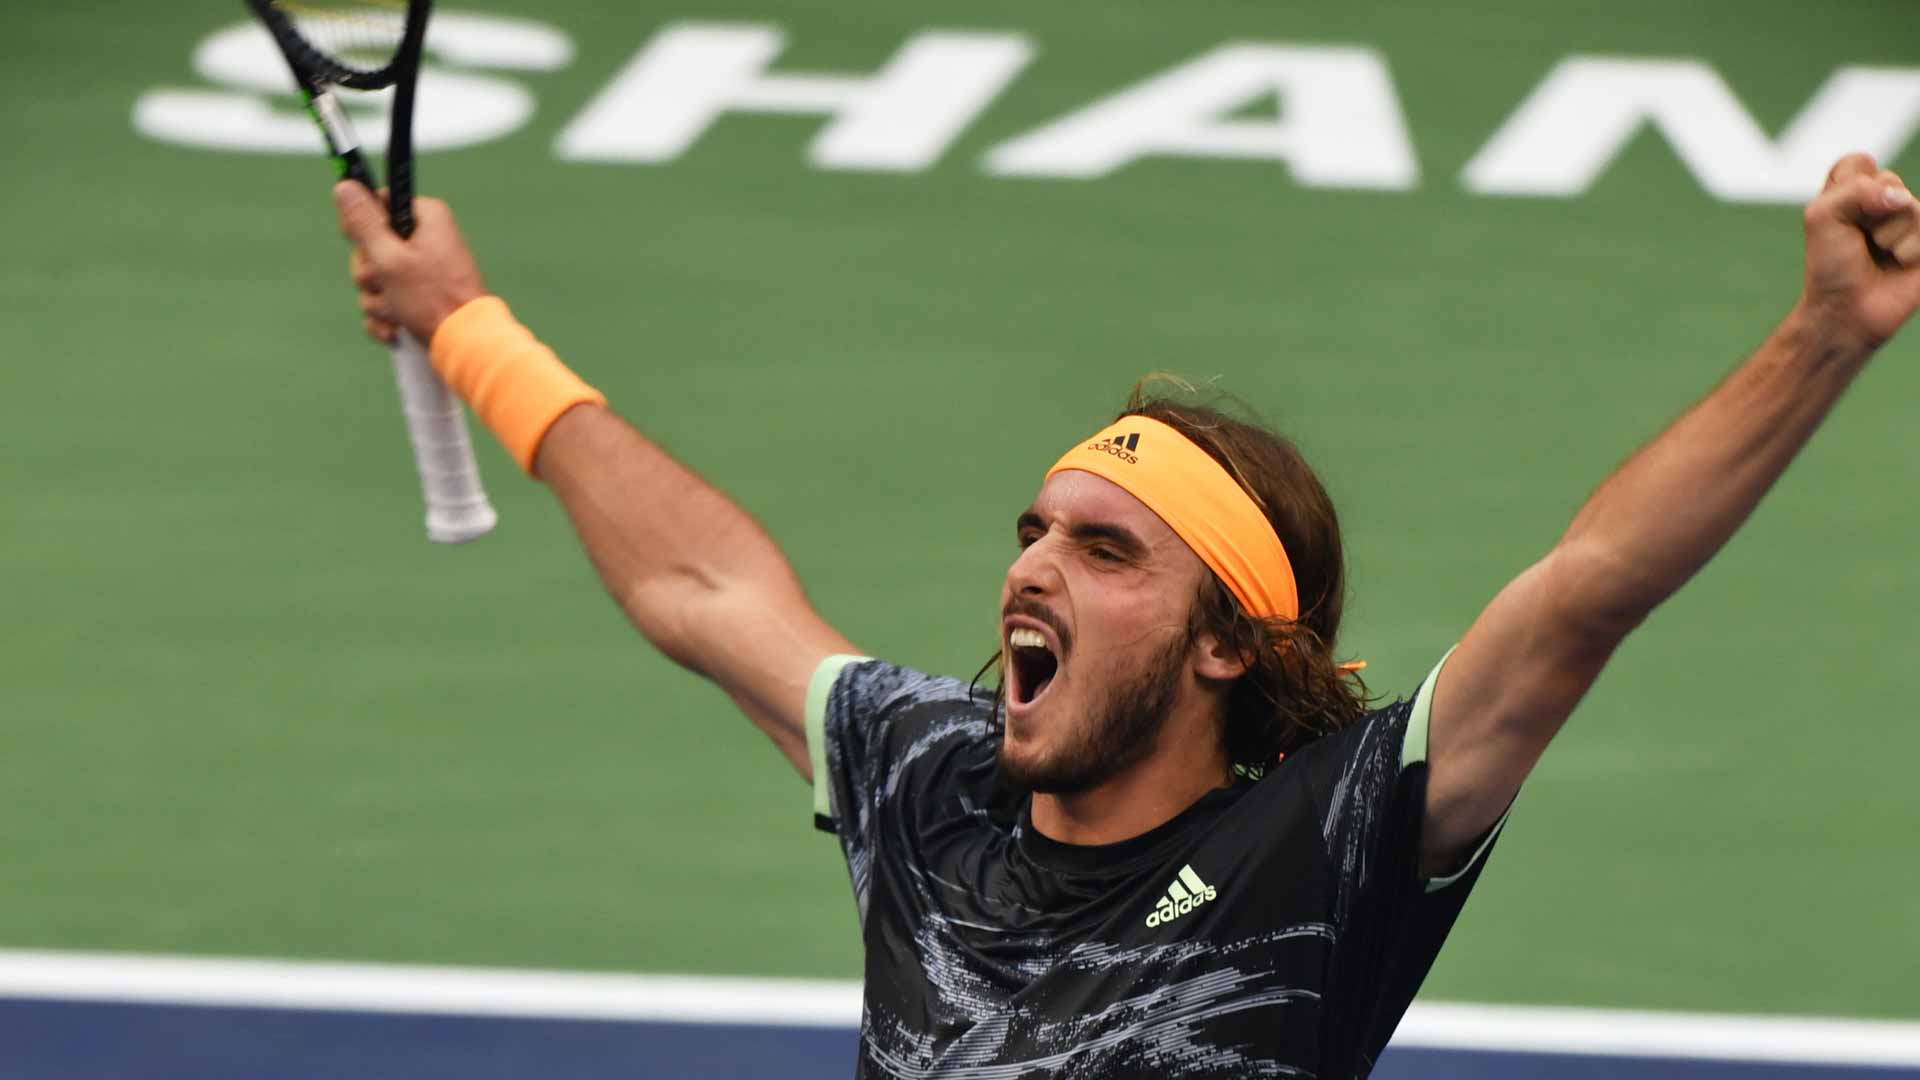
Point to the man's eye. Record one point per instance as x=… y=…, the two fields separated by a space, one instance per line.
x=1101 y=554
x=1028 y=539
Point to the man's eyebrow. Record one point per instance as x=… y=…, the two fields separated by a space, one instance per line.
x=1085 y=532
x=1119 y=536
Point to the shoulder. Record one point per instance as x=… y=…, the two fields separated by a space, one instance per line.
x=880 y=733
x=876 y=700
x=885 y=715
x=869 y=685
x=1387 y=740
x=1343 y=788
x=1379 y=737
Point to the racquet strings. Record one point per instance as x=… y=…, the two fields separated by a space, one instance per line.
x=361 y=36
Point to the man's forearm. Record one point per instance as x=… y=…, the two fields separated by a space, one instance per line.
x=1658 y=519
x=1531 y=655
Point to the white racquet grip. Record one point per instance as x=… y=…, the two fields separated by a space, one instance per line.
x=457 y=507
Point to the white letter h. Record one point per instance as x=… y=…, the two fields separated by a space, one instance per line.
x=899 y=119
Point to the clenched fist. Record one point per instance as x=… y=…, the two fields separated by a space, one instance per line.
x=1863 y=257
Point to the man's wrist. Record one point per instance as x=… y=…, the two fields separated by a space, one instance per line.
x=444 y=310
x=516 y=385
x=1819 y=337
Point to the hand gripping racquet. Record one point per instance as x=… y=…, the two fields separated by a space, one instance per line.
x=373 y=45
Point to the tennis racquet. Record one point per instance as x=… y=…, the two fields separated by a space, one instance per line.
x=373 y=45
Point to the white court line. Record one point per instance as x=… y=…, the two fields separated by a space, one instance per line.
x=459 y=991
x=397 y=988
x=1623 y=1033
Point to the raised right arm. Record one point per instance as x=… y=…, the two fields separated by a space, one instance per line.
x=694 y=572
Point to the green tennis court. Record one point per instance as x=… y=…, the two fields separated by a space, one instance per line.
x=250 y=711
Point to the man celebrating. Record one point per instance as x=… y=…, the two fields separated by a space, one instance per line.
x=1175 y=843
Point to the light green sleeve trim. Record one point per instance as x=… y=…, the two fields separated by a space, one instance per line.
x=1414 y=749
x=818 y=688
x=1434 y=885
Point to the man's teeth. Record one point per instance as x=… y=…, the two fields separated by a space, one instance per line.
x=1026 y=638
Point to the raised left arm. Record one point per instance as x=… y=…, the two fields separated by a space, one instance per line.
x=1532 y=654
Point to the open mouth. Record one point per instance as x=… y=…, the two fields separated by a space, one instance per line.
x=1033 y=664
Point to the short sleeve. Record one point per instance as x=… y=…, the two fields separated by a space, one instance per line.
x=877 y=735
x=1413 y=749
x=819 y=697
x=1389 y=921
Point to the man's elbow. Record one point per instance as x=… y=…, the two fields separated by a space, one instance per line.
x=675 y=613
x=1595 y=595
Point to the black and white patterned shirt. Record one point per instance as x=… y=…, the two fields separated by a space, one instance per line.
x=1277 y=927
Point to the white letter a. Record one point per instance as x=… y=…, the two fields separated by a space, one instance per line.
x=1340 y=123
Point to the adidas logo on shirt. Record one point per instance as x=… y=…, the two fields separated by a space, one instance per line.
x=1186 y=893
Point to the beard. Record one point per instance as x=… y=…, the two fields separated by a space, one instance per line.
x=1118 y=735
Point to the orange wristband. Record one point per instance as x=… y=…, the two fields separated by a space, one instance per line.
x=516 y=385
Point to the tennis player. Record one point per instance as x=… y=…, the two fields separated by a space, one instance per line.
x=1176 y=842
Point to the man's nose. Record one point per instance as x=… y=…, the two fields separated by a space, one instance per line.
x=1036 y=572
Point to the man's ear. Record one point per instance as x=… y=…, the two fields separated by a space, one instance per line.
x=1215 y=660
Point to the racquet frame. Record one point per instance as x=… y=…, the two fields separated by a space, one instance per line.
x=457 y=508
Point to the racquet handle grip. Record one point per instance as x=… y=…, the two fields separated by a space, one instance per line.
x=457 y=506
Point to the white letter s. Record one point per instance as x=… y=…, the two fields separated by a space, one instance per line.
x=455 y=108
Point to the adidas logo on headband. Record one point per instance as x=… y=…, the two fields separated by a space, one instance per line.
x=1119 y=446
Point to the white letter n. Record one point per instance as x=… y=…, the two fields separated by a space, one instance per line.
x=898 y=119
x=1588 y=109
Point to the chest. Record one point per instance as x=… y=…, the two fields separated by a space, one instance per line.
x=973 y=948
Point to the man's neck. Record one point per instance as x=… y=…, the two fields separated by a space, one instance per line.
x=1179 y=771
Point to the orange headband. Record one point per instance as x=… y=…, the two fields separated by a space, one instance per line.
x=1199 y=501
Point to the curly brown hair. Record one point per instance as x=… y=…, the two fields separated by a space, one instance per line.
x=1294 y=690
